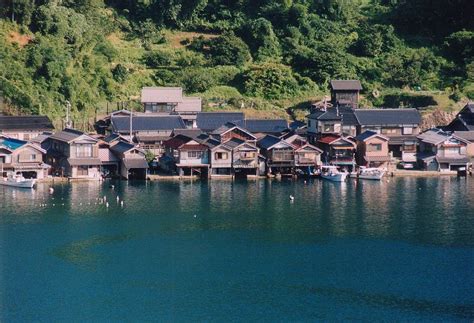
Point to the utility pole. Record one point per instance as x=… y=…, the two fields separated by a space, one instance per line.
x=131 y=123
x=68 y=111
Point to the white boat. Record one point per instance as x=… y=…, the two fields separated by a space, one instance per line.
x=17 y=180
x=369 y=173
x=333 y=174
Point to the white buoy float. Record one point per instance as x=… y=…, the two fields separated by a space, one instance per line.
x=121 y=203
x=118 y=199
x=107 y=204
x=292 y=198
x=51 y=190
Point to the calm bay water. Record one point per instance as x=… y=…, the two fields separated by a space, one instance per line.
x=239 y=251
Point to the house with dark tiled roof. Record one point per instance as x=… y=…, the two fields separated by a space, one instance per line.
x=132 y=162
x=442 y=151
x=149 y=131
x=278 y=153
x=307 y=157
x=262 y=127
x=22 y=157
x=331 y=121
x=464 y=120
x=338 y=151
x=400 y=126
x=345 y=93
x=170 y=100
x=25 y=127
x=210 y=121
x=187 y=156
x=74 y=154
x=372 y=150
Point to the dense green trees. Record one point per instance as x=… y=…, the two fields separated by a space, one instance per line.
x=89 y=51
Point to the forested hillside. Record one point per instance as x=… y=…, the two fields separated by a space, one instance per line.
x=264 y=56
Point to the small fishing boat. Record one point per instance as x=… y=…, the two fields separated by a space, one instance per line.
x=369 y=173
x=17 y=180
x=332 y=173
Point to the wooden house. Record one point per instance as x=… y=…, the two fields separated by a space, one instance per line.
x=345 y=93
x=469 y=137
x=21 y=157
x=170 y=100
x=278 y=153
x=24 y=127
x=74 y=154
x=186 y=156
x=442 y=151
x=372 y=150
x=307 y=157
x=400 y=126
x=132 y=162
x=331 y=121
x=148 y=131
x=338 y=151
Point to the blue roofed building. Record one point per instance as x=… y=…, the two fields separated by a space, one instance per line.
x=22 y=157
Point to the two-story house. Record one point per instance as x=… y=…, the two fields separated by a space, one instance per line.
x=279 y=154
x=132 y=162
x=400 y=126
x=24 y=127
x=170 y=100
x=236 y=153
x=307 y=157
x=338 y=151
x=331 y=121
x=442 y=151
x=186 y=156
x=21 y=157
x=74 y=154
x=372 y=150
x=345 y=93
x=149 y=131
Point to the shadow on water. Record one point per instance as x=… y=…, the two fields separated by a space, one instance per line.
x=389 y=301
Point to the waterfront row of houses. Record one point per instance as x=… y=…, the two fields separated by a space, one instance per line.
x=176 y=137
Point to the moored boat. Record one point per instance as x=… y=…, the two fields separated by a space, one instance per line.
x=17 y=180
x=369 y=173
x=333 y=174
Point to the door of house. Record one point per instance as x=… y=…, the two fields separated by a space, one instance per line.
x=82 y=170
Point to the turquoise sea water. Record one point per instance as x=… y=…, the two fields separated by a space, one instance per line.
x=401 y=250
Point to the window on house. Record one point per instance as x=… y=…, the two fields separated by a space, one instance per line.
x=375 y=147
x=33 y=157
x=247 y=154
x=407 y=130
x=195 y=154
x=221 y=155
x=328 y=128
x=309 y=123
x=83 y=150
x=26 y=136
x=389 y=131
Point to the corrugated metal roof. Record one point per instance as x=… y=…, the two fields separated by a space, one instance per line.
x=377 y=117
x=351 y=85
x=162 y=95
x=41 y=123
x=147 y=123
x=209 y=121
x=433 y=136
